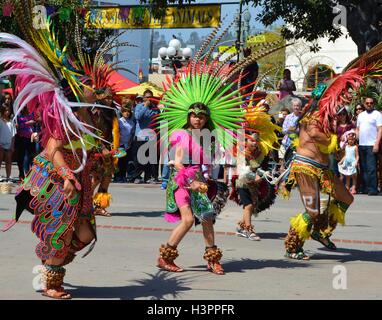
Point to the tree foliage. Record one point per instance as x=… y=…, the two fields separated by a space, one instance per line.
x=63 y=21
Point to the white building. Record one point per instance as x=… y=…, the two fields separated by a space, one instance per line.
x=310 y=68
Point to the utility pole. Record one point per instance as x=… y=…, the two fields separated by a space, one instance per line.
x=151 y=50
x=238 y=41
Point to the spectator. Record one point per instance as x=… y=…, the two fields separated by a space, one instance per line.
x=280 y=121
x=138 y=99
x=290 y=125
x=23 y=144
x=144 y=113
x=369 y=133
x=349 y=163
x=281 y=116
x=127 y=130
x=7 y=134
x=344 y=124
x=7 y=99
x=286 y=86
x=358 y=109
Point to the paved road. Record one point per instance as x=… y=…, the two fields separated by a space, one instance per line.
x=122 y=265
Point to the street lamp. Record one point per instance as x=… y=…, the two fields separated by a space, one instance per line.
x=174 y=56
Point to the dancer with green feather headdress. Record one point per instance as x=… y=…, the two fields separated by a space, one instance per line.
x=202 y=109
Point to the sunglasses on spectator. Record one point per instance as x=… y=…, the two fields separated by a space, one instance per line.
x=369 y=103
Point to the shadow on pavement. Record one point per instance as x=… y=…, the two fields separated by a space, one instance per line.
x=347 y=255
x=156 y=287
x=272 y=235
x=232 y=266
x=149 y=214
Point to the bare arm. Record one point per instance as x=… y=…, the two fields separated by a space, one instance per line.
x=54 y=154
x=356 y=156
x=293 y=86
x=377 y=142
x=179 y=152
x=195 y=185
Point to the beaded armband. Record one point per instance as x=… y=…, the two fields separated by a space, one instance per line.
x=65 y=173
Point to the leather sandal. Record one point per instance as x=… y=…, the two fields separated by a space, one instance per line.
x=329 y=244
x=59 y=293
x=215 y=267
x=168 y=265
x=101 y=212
x=297 y=255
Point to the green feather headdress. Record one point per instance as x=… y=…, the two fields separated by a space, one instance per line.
x=213 y=83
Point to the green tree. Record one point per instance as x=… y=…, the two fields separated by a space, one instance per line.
x=313 y=19
x=63 y=20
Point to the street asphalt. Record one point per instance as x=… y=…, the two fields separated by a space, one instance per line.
x=122 y=265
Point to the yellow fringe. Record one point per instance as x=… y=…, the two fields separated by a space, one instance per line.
x=327 y=232
x=336 y=214
x=301 y=226
x=116 y=137
x=332 y=147
x=324 y=176
x=296 y=142
x=102 y=199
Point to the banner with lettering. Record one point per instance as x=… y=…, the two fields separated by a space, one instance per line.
x=140 y=17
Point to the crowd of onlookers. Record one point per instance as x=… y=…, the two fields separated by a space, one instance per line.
x=18 y=142
x=358 y=159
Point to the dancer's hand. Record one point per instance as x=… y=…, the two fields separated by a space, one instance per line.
x=69 y=189
x=106 y=152
x=196 y=186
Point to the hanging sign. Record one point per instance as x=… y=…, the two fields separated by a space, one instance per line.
x=139 y=17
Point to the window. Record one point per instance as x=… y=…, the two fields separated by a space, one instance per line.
x=317 y=74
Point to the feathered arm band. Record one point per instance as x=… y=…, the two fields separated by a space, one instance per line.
x=185 y=175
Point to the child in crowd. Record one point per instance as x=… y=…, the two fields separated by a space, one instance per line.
x=349 y=163
x=7 y=138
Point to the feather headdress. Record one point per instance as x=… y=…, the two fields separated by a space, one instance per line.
x=259 y=122
x=342 y=88
x=213 y=83
x=39 y=89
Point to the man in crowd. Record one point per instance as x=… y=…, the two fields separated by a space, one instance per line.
x=369 y=133
x=144 y=113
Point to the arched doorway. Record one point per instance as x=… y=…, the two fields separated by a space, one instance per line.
x=316 y=74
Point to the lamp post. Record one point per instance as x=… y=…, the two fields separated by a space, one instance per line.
x=238 y=30
x=174 y=56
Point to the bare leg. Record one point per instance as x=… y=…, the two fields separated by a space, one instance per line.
x=182 y=228
x=54 y=274
x=8 y=163
x=1 y=155
x=84 y=231
x=354 y=189
x=168 y=252
x=247 y=215
x=208 y=233
x=348 y=182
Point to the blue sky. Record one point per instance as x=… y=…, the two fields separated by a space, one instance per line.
x=139 y=57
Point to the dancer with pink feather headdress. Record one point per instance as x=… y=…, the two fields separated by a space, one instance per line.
x=58 y=188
